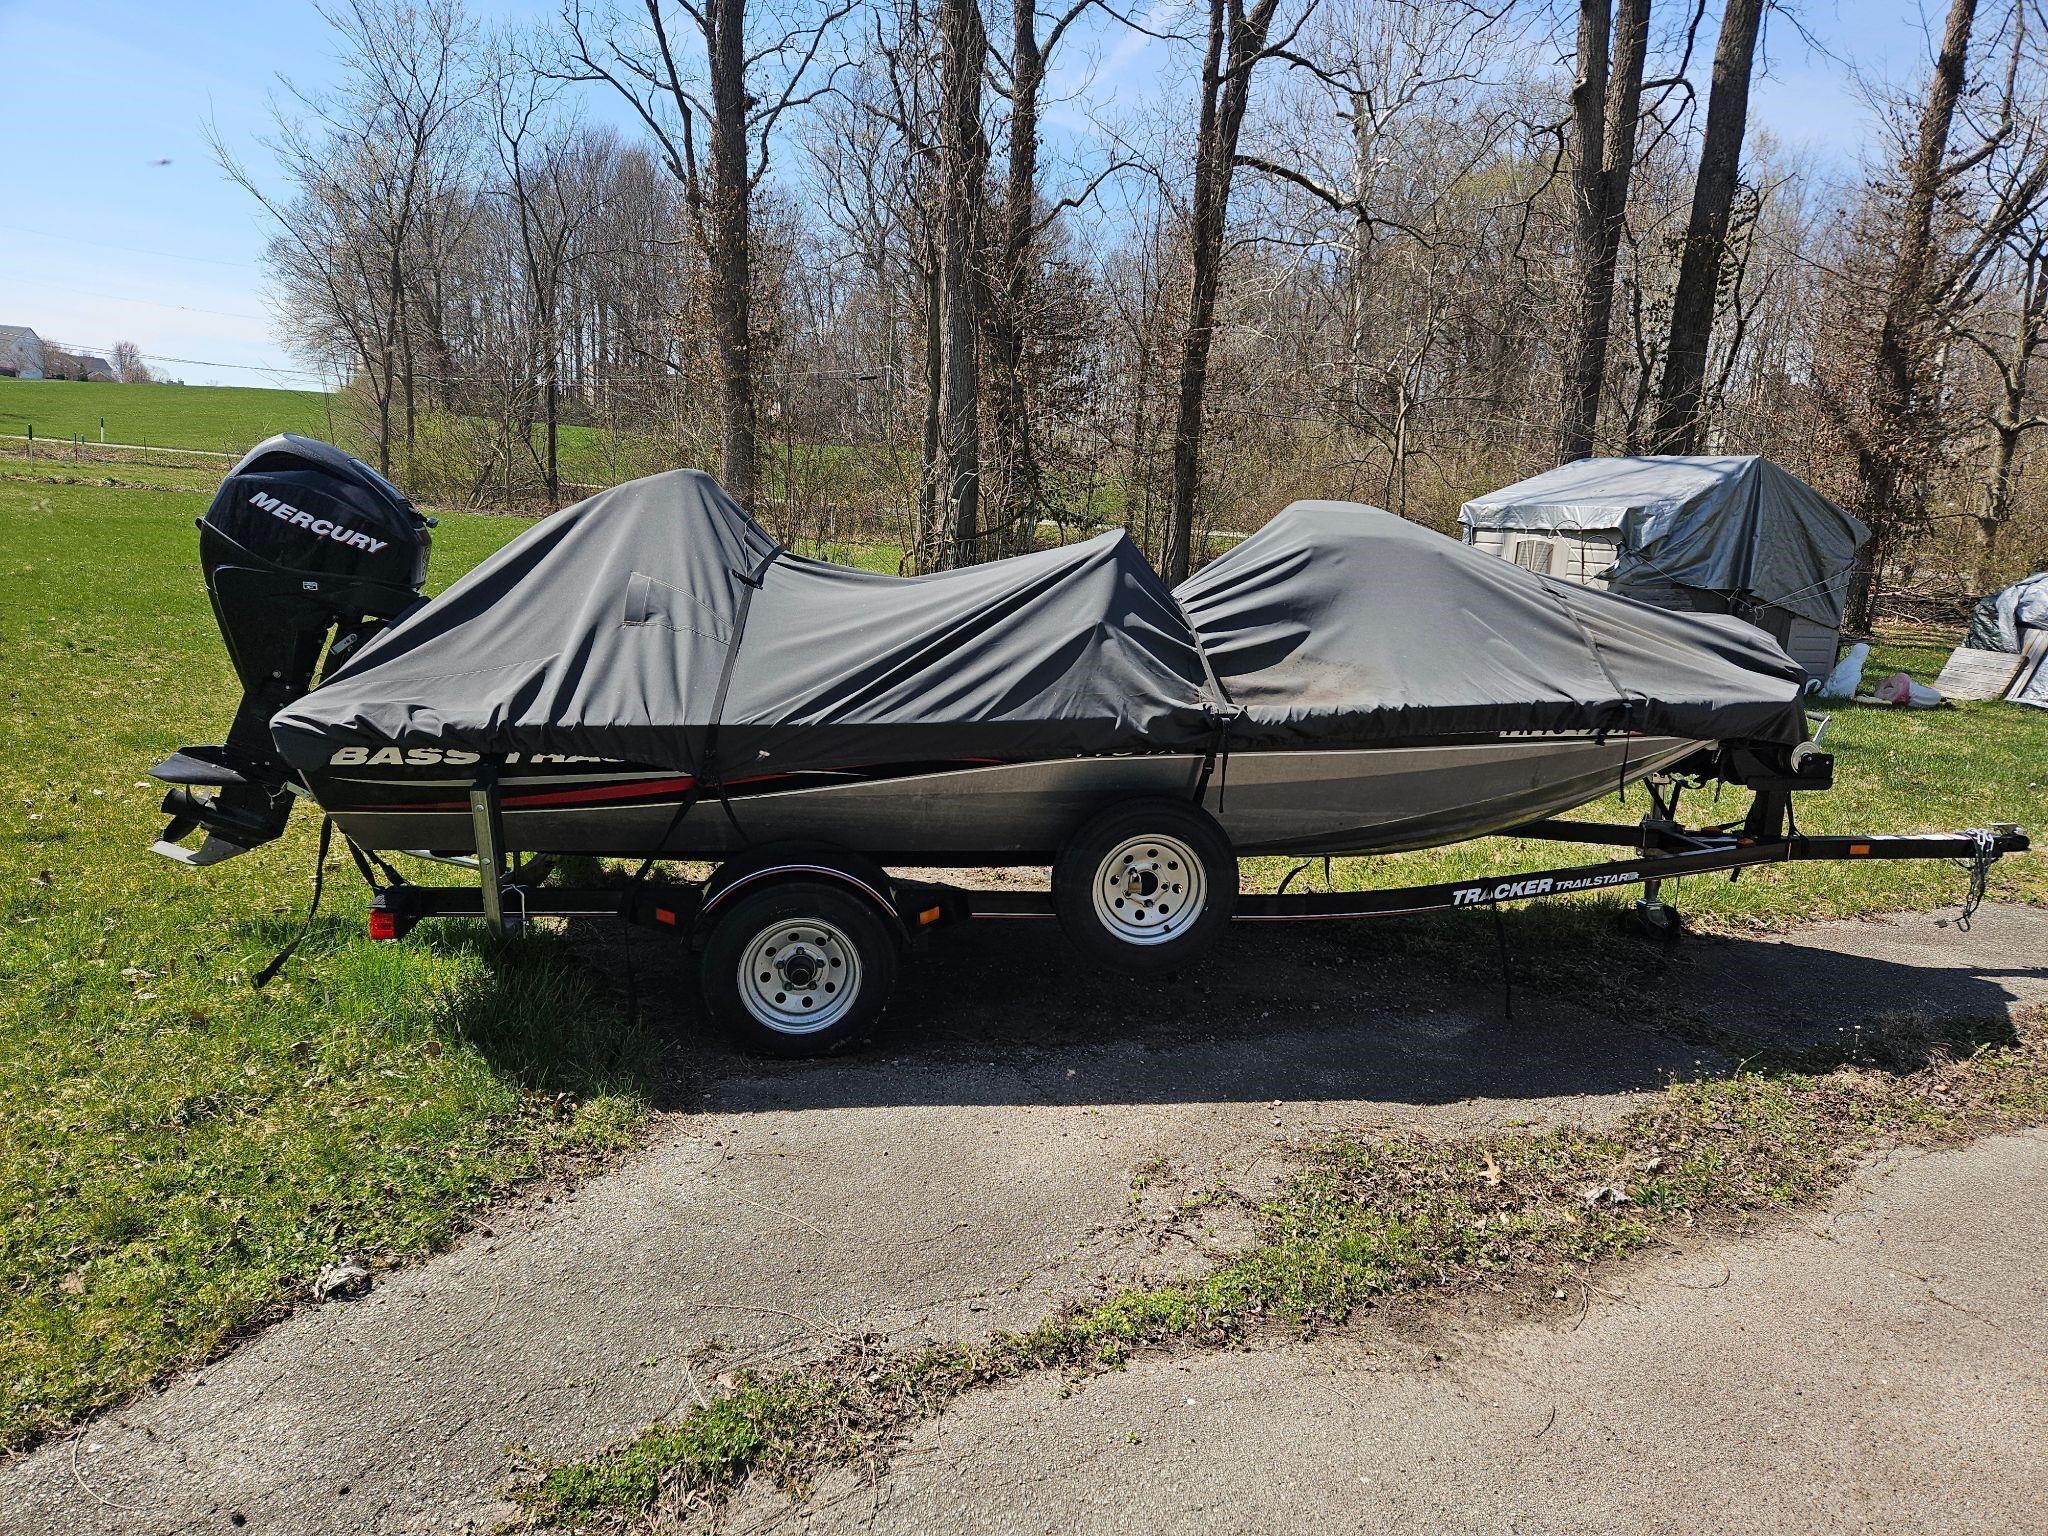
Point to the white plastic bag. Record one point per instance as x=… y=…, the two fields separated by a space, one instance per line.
x=1847 y=677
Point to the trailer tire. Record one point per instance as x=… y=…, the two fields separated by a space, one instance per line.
x=799 y=968
x=1145 y=887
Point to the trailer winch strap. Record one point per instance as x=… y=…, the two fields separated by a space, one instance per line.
x=365 y=858
x=264 y=977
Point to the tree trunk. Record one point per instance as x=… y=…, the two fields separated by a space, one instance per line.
x=963 y=162
x=1606 y=106
x=930 y=542
x=2005 y=448
x=1006 y=327
x=1680 y=424
x=731 y=275
x=1236 y=43
x=554 y=399
x=1885 y=454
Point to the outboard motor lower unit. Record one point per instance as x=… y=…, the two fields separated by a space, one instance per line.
x=307 y=552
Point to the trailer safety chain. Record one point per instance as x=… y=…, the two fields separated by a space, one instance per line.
x=1979 y=865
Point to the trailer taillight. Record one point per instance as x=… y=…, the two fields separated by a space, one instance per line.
x=383 y=926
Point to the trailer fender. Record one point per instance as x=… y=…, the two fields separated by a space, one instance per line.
x=773 y=862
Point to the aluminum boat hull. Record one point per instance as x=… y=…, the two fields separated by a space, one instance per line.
x=1371 y=800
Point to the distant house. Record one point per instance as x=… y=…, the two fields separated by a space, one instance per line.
x=60 y=364
x=21 y=353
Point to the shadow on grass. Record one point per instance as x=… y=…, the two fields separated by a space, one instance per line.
x=540 y=1017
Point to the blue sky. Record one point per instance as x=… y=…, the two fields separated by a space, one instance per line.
x=117 y=225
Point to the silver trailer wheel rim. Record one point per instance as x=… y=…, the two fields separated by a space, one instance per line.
x=1150 y=890
x=799 y=977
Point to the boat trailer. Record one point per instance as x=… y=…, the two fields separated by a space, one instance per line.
x=1674 y=858
x=1664 y=850
x=821 y=924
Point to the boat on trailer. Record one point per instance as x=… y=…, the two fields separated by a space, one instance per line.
x=649 y=675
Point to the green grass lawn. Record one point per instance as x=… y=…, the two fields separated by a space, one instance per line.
x=213 y=418
x=179 y=1153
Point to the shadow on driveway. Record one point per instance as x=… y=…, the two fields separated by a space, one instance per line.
x=1398 y=1011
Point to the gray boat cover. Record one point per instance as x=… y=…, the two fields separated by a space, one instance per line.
x=627 y=625
x=1739 y=527
x=658 y=624
x=1342 y=625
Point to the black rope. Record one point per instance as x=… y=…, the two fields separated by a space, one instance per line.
x=1223 y=709
x=269 y=973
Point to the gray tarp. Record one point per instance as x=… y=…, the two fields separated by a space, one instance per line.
x=1996 y=621
x=1338 y=624
x=629 y=625
x=1739 y=527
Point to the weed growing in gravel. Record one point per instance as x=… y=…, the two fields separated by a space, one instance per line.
x=1362 y=1222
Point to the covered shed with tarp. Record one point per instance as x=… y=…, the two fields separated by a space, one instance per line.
x=1735 y=535
x=2015 y=620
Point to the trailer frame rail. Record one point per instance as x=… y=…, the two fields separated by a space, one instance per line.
x=1674 y=853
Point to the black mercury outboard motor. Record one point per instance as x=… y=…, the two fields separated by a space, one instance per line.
x=302 y=543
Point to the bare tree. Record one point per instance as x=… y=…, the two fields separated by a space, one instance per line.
x=1701 y=265
x=1238 y=39
x=1955 y=209
x=553 y=198
x=1606 y=108
x=1387 y=142
x=1013 y=260
x=962 y=174
x=2010 y=350
x=740 y=95
x=364 y=163
x=128 y=365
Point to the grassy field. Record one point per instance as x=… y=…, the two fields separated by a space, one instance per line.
x=214 y=419
x=177 y=1152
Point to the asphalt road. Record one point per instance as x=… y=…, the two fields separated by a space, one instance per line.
x=974 y=1166
x=1881 y=1367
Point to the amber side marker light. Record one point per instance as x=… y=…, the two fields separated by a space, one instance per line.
x=1858 y=850
x=927 y=917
